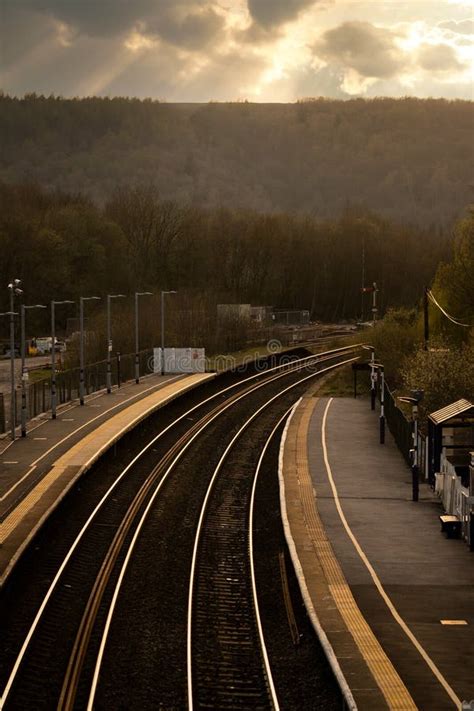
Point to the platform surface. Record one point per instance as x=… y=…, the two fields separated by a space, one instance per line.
x=36 y=472
x=373 y=565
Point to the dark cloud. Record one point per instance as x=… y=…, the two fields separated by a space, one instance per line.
x=192 y=30
x=438 y=58
x=272 y=13
x=369 y=50
x=463 y=27
x=188 y=23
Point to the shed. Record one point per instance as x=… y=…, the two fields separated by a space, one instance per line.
x=451 y=429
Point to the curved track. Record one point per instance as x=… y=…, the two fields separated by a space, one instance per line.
x=124 y=508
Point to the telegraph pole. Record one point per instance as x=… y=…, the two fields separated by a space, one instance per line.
x=426 y=318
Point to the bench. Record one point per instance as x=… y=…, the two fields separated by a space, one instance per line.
x=451 y=526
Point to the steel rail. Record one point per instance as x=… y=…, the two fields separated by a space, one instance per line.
x=204 y=510
x=291 y=366
x=263 y=646
x=180 y=452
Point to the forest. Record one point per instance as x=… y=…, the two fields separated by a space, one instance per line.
x=409 y=160
x=63 y=245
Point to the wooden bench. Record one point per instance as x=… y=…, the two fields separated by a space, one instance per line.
x=451 y=526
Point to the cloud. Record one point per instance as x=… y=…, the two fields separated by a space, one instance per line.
x=369 y=50
x=463 y=27
x=187 y=23
x=272 y=13
x=191 y=30
x=438 y=58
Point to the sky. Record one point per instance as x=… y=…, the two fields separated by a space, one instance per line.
x=236 y=50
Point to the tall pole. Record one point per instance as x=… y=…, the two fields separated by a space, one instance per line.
x=363 y=282
x=162 y=333
x=15 y=290
x=426 y=318
x=382 y=405
x=137 y=356
x=372 y=380
x=374 y=303
x=109 y=347
x=12 y=362
x=81 y=350
x=53 y=355
x=23 y=372
x=415 y=470
x=109 y=338
x=53 y=362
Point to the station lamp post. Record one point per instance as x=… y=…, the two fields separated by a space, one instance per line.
x=381 y=370
x=109 y=339
x=14 y=288
x=414 y=400
x=163 y=293
x=12 y=381
x=137 y=345
x=53 y=354
x=81 y=347
x=372 y=375
x=24 y=372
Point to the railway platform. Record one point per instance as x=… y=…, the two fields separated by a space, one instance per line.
x=391 y=599
x=36 y=472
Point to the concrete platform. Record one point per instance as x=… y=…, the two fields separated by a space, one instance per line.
x=377 y=576
x=36 y=472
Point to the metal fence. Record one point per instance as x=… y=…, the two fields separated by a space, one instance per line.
x=38 y=394
x=402 y=431
x=399 y=426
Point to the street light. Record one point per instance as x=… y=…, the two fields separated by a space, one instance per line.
x=12 y=384
x=372 y=375
x=81 y=354
x=413 y=401
x=381 y=369
x=163 y=328
x=137 y=355
x=109 y=339
x=24 y=372
x=53 y=354
x=14 y=287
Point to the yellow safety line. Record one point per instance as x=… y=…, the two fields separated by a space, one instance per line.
x=449 y=690
x=383 y=671
x=80 y=454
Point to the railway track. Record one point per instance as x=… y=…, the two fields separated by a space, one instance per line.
x=228 y=664
x=86 y=584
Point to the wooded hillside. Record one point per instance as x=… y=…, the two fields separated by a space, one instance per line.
x=410 y=159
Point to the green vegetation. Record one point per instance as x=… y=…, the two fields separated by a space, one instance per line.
x=408 y=159
x=340 y=383
x=445 y=371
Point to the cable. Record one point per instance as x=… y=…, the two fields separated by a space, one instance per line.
x=451 y=318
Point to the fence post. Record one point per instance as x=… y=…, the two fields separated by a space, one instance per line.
x=118 y=369
x=2 y=414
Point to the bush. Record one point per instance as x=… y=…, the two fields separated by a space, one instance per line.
x=395 y=338
x=445 y=374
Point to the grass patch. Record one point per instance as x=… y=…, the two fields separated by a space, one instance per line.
x=340 y=383
x=35 y=376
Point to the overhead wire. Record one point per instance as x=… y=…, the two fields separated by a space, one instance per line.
x=443 y=311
